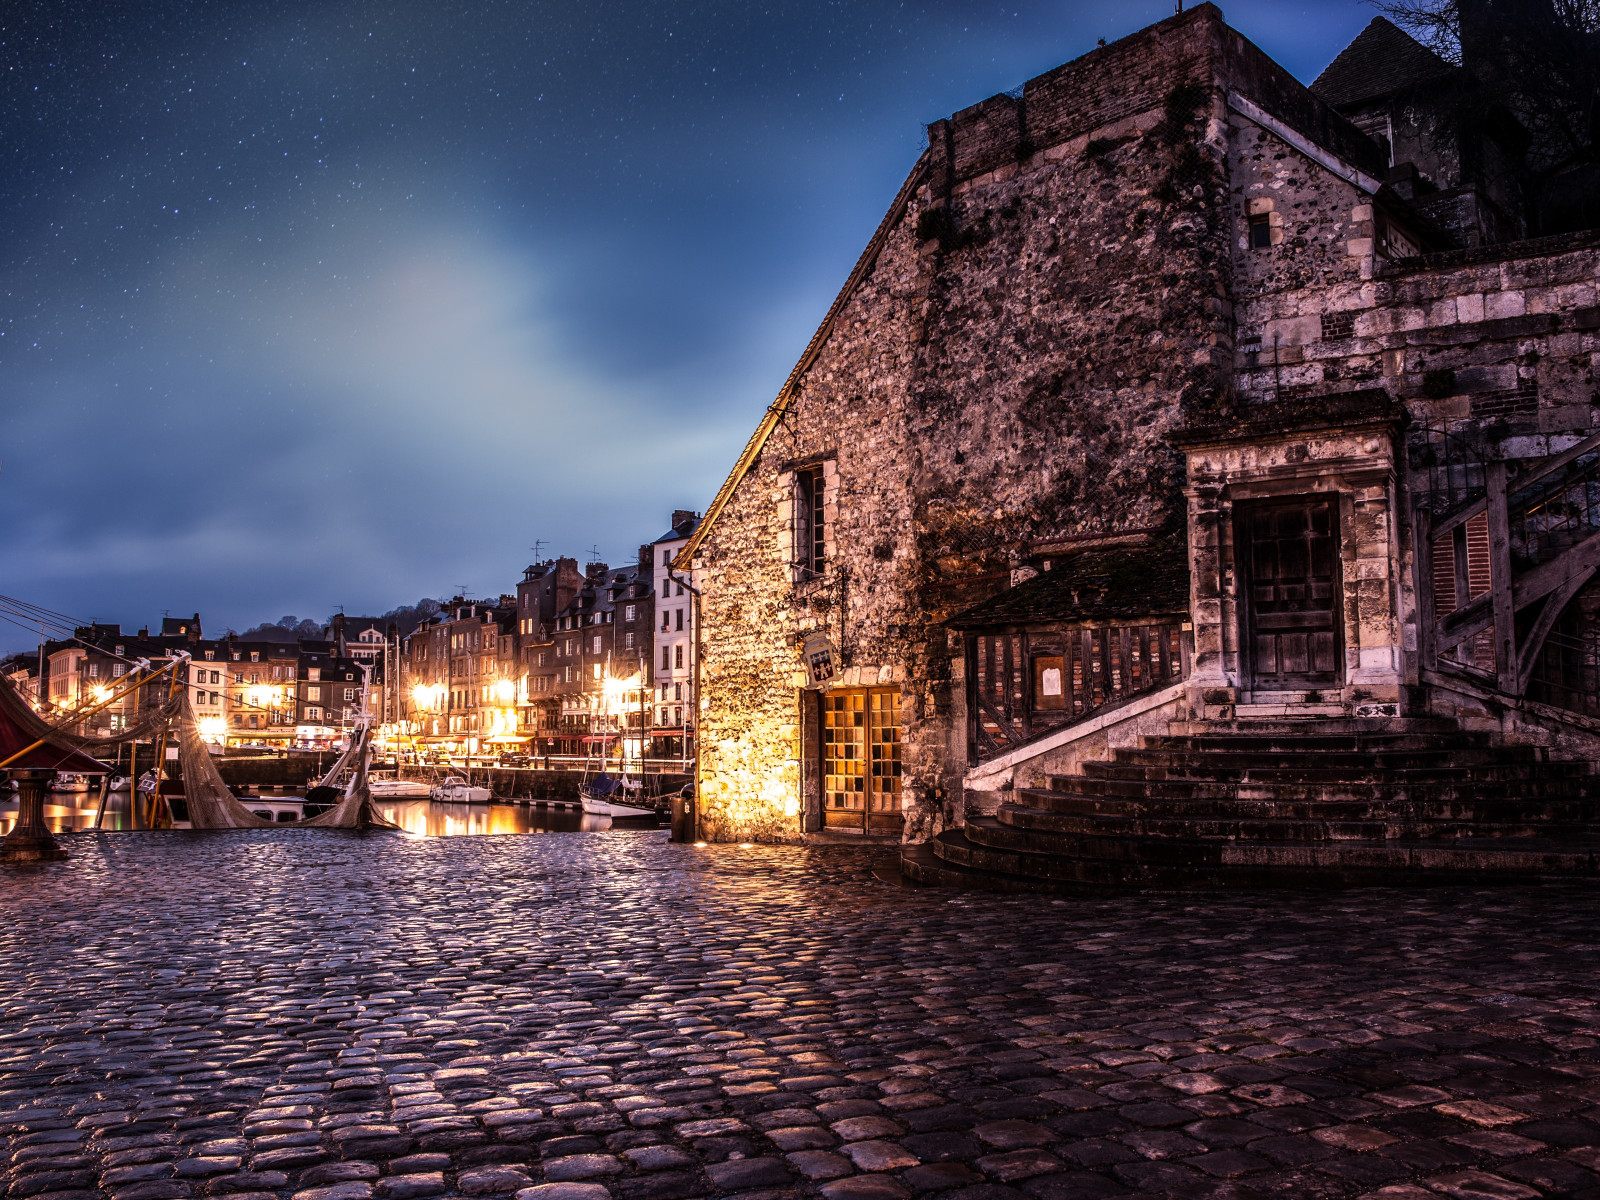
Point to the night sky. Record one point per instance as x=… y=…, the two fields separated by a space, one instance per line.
x=309 y=305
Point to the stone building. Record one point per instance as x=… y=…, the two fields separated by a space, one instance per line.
x=1161 y=401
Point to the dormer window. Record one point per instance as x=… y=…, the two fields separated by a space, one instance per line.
x=211 y=655
x=255 y=656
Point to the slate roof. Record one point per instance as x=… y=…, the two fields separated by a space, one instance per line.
x=1097 y=585
x=1382 y=60
x=1294 y=415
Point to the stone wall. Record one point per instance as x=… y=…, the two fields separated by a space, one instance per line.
x=1035 y=325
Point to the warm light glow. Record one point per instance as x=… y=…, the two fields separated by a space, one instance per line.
x=505 y=691
x=746 y=846
x=700 y=844
x=427 y=695
x=100 y=691
x=616 y=688
x=212 y=729
x=263 y=697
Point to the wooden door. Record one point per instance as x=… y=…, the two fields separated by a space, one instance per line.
x=1290 y=552
x=861 y=767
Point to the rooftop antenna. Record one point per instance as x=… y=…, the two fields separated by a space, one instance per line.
x=594 y=554
x=537 y=547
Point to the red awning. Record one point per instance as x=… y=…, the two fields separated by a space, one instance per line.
x=51 y=755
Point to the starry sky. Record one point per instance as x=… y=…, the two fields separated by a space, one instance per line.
x=310 y=305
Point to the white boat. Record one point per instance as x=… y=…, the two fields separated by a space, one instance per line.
x=119 y=783
x=398 y=789
x=456 y=790
x=599 y=794
x=70 y=781
x=604 y=808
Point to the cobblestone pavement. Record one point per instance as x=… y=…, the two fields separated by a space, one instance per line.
x=606 y=1017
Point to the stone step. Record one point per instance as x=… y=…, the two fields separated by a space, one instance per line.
x=1436 y=726
x=1324 y=760
x=1054 y=832
x=1288 y=742
x=1298 y=786
x=1311 y=804
x=1160 y=863
x=1204 y=773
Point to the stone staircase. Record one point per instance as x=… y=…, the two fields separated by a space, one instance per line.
x=1301 y=803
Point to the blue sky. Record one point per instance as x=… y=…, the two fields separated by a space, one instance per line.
x=306 y=305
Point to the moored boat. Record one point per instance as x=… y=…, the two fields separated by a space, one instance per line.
x=398 y=789
x=456 y=790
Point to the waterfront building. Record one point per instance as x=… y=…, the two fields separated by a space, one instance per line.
x=1163 y=397
x=673 y=653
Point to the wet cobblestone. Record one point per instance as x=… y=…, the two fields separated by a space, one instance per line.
x=322 y=1016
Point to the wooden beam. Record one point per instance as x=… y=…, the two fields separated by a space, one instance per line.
x=1505 y=634
x=1554 y=603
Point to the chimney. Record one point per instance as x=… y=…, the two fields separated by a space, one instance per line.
x=338 y=635
x=596 y=572
x=683 y=516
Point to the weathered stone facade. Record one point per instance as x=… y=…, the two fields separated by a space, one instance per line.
x=1160 y=237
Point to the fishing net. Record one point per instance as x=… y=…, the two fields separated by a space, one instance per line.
x=22 y=713
x=356 y=810
x=211 y=804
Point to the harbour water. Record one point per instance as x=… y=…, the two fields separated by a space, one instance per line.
x=68 y=811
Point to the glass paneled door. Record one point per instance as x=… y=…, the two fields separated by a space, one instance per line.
x=861 y=760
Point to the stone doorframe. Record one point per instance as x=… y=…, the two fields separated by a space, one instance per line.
x=1345 y=448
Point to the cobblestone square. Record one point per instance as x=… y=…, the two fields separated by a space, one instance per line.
x=329 y=1016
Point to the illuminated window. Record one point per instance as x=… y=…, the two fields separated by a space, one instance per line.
x=349 y=694
x=255 y=656
x=597 y=670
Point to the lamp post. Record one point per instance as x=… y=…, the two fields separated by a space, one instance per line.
x=31 y=840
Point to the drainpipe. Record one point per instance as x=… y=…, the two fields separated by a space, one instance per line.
x=694 y=700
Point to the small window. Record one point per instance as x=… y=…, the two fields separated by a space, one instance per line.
x=680 y=619
x=666 y=658
x=627 y=641
x=677 y=655
x=210 y=655
x=349 y=695
x=809 y=526
x=255 y=656
x=596 y=649
x=630 y=613
x=313 y=713
x=1260 y=232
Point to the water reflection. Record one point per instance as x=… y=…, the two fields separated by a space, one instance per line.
x=68 y=811
x=65 y=811
x=427 y=819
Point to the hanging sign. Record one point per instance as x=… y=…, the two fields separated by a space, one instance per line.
x=822 y=660
x=148 y=782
